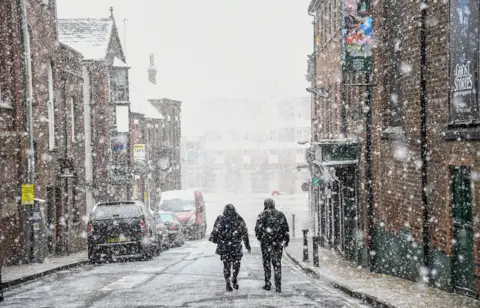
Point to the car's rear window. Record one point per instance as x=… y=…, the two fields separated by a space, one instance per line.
x=109 y=211
x=177 y=205
x=167 y=217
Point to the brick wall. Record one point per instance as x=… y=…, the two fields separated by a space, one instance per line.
x=397 y=158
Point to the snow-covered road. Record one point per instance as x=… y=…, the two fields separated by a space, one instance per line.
x=190 y=276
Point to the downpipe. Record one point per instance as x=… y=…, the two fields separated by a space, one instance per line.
x=28 y=211
x=423 y=138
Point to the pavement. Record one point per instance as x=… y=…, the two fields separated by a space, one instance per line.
x=14 y=275
x=189 y=276
x=378 y=289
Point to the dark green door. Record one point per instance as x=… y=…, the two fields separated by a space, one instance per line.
x=462 y=259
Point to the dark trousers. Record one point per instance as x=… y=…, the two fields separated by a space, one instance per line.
x=272 y=255
x=227 y=269
x=1 y=287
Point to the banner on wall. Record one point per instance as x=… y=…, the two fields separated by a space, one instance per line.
x=357 y=35
x=464 y=18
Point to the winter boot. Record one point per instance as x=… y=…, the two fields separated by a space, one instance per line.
x=235 y=283
x=278 y=288
x=229 y=287
x=267 y=287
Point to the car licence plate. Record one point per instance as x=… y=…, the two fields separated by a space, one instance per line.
x=113 y=240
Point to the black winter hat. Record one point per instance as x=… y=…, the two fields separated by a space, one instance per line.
x=269 y=204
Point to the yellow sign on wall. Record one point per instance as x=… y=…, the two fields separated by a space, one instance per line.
x=28 y=194
x=145 y=196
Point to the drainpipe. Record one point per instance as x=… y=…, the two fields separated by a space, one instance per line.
x=29 y=232
x=423 y=134
x=87 y=121
x=315 y=205
x=369 y=170
x=28 y=73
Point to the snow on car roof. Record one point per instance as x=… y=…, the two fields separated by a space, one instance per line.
x=178 y=194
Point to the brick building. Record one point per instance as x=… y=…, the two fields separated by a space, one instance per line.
x=108 y=95
x=13 y=127
x=53 y=79
x=411 y=108
x=427 y=143
x=155 y=125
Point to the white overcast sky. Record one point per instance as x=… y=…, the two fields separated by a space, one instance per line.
x=211 y=49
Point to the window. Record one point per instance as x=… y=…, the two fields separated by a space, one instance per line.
x=246 y=159
x=300 y=156
x=220 y=157
x=193 y=153
x=122 y=118
x=72 y=117
x=298 y=113
x=51 y=109
x=299 y=136
x=118 y=85
x=246 y=136
x=218 y=136
x=273 y=135
x=273 y=157
x=4 y=103
x=464 y=54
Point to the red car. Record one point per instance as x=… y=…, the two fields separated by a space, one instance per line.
x=189 y=208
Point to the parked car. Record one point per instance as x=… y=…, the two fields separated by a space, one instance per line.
x=124 y=228
x=162 y=239
x=189 y=208
x=175 y=229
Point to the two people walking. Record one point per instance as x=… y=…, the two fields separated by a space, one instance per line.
x=271 y=230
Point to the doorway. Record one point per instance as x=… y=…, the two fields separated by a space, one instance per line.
x=462 y=258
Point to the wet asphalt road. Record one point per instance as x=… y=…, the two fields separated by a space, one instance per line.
x=190 y=276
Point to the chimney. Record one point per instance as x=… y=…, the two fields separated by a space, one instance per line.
x=152 y=71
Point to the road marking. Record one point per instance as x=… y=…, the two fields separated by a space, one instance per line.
x=126 y=282
x=155 y=270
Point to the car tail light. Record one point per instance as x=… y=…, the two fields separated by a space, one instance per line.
x=89 y=228
x=143 y=227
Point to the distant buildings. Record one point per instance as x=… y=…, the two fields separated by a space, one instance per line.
x=248 y=146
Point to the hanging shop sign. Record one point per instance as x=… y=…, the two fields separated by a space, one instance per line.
x=357 y=35
x=139 y=152
x=464 y=19
x=119 y=143
x=119 y=174
x=28 y=194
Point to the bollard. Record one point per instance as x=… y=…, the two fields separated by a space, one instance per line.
x=315 y=241
x=293 y=225
x=305 y=246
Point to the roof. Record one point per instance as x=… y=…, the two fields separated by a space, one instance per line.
x=119 y=63
x=178 y=194
x=139 y=104
x=90 y=36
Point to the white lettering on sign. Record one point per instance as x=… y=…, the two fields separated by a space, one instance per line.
x=463 y=78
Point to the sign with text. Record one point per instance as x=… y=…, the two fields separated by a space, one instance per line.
x=139 y=152
x=28 y=194
x=464 y=18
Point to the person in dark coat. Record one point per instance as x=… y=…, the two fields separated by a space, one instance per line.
x=273 y=233
x=228 y=233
